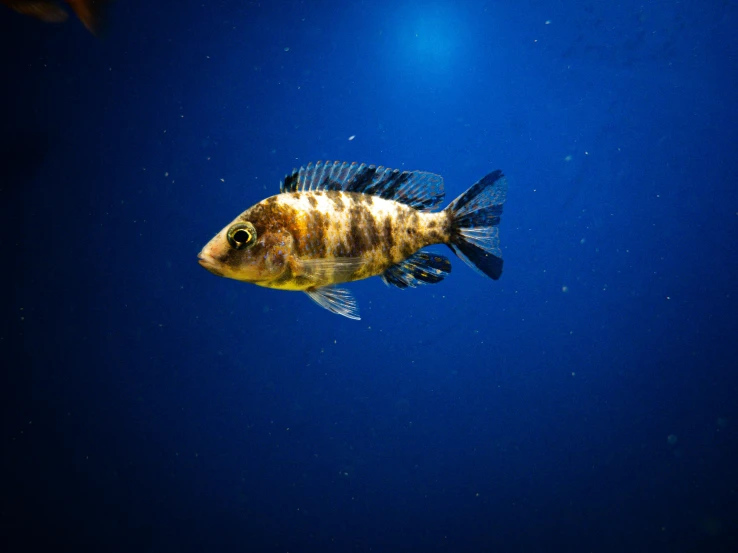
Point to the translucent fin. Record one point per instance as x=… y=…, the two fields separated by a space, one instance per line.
x=336 y=300
x=419 y=268
x=91 y=13
x=418 y=189
x=45 y=10
x=337 y=269
x=475 y=235
x=483 y=200
x=486 y=264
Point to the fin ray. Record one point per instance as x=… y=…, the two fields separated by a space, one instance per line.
x=336 y=300
x=418 y=189
x=339 y=269
x=418 y=269
x=475 y=234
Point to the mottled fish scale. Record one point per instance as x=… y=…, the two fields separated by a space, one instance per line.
x=338 y=224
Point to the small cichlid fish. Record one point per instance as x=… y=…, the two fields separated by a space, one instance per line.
x=338 y=222
x=90 y=12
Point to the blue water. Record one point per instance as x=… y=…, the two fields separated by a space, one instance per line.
x=587 y=401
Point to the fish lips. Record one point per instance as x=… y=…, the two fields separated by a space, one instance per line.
x=209 y=263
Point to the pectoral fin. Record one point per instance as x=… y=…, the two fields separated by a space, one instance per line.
x=336 y=300
x=335 y=269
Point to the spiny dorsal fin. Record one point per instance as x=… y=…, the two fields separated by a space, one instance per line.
x=418 y=189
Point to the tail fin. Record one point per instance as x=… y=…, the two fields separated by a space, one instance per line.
x=475 y=216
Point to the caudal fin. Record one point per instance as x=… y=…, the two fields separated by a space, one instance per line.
x=475 y=219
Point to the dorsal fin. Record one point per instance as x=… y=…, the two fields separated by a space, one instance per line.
x=418 y=189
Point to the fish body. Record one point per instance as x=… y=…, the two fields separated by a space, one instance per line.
x=335 y=223
x=89 y=12
x=347 y=235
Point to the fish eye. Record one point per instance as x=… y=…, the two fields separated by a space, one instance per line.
x=241 y=236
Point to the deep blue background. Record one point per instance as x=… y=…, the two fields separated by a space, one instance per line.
x=588 y=401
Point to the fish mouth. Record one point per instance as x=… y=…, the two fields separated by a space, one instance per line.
x=208 y=263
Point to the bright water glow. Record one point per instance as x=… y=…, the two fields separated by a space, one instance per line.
x=430 y=37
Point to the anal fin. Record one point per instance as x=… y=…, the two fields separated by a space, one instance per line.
x=336 y=300
x=419 y=268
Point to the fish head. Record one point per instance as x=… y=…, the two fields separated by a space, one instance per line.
x=248 y=251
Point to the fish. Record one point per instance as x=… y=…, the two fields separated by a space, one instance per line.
x=89 y=12
x=337 y=222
